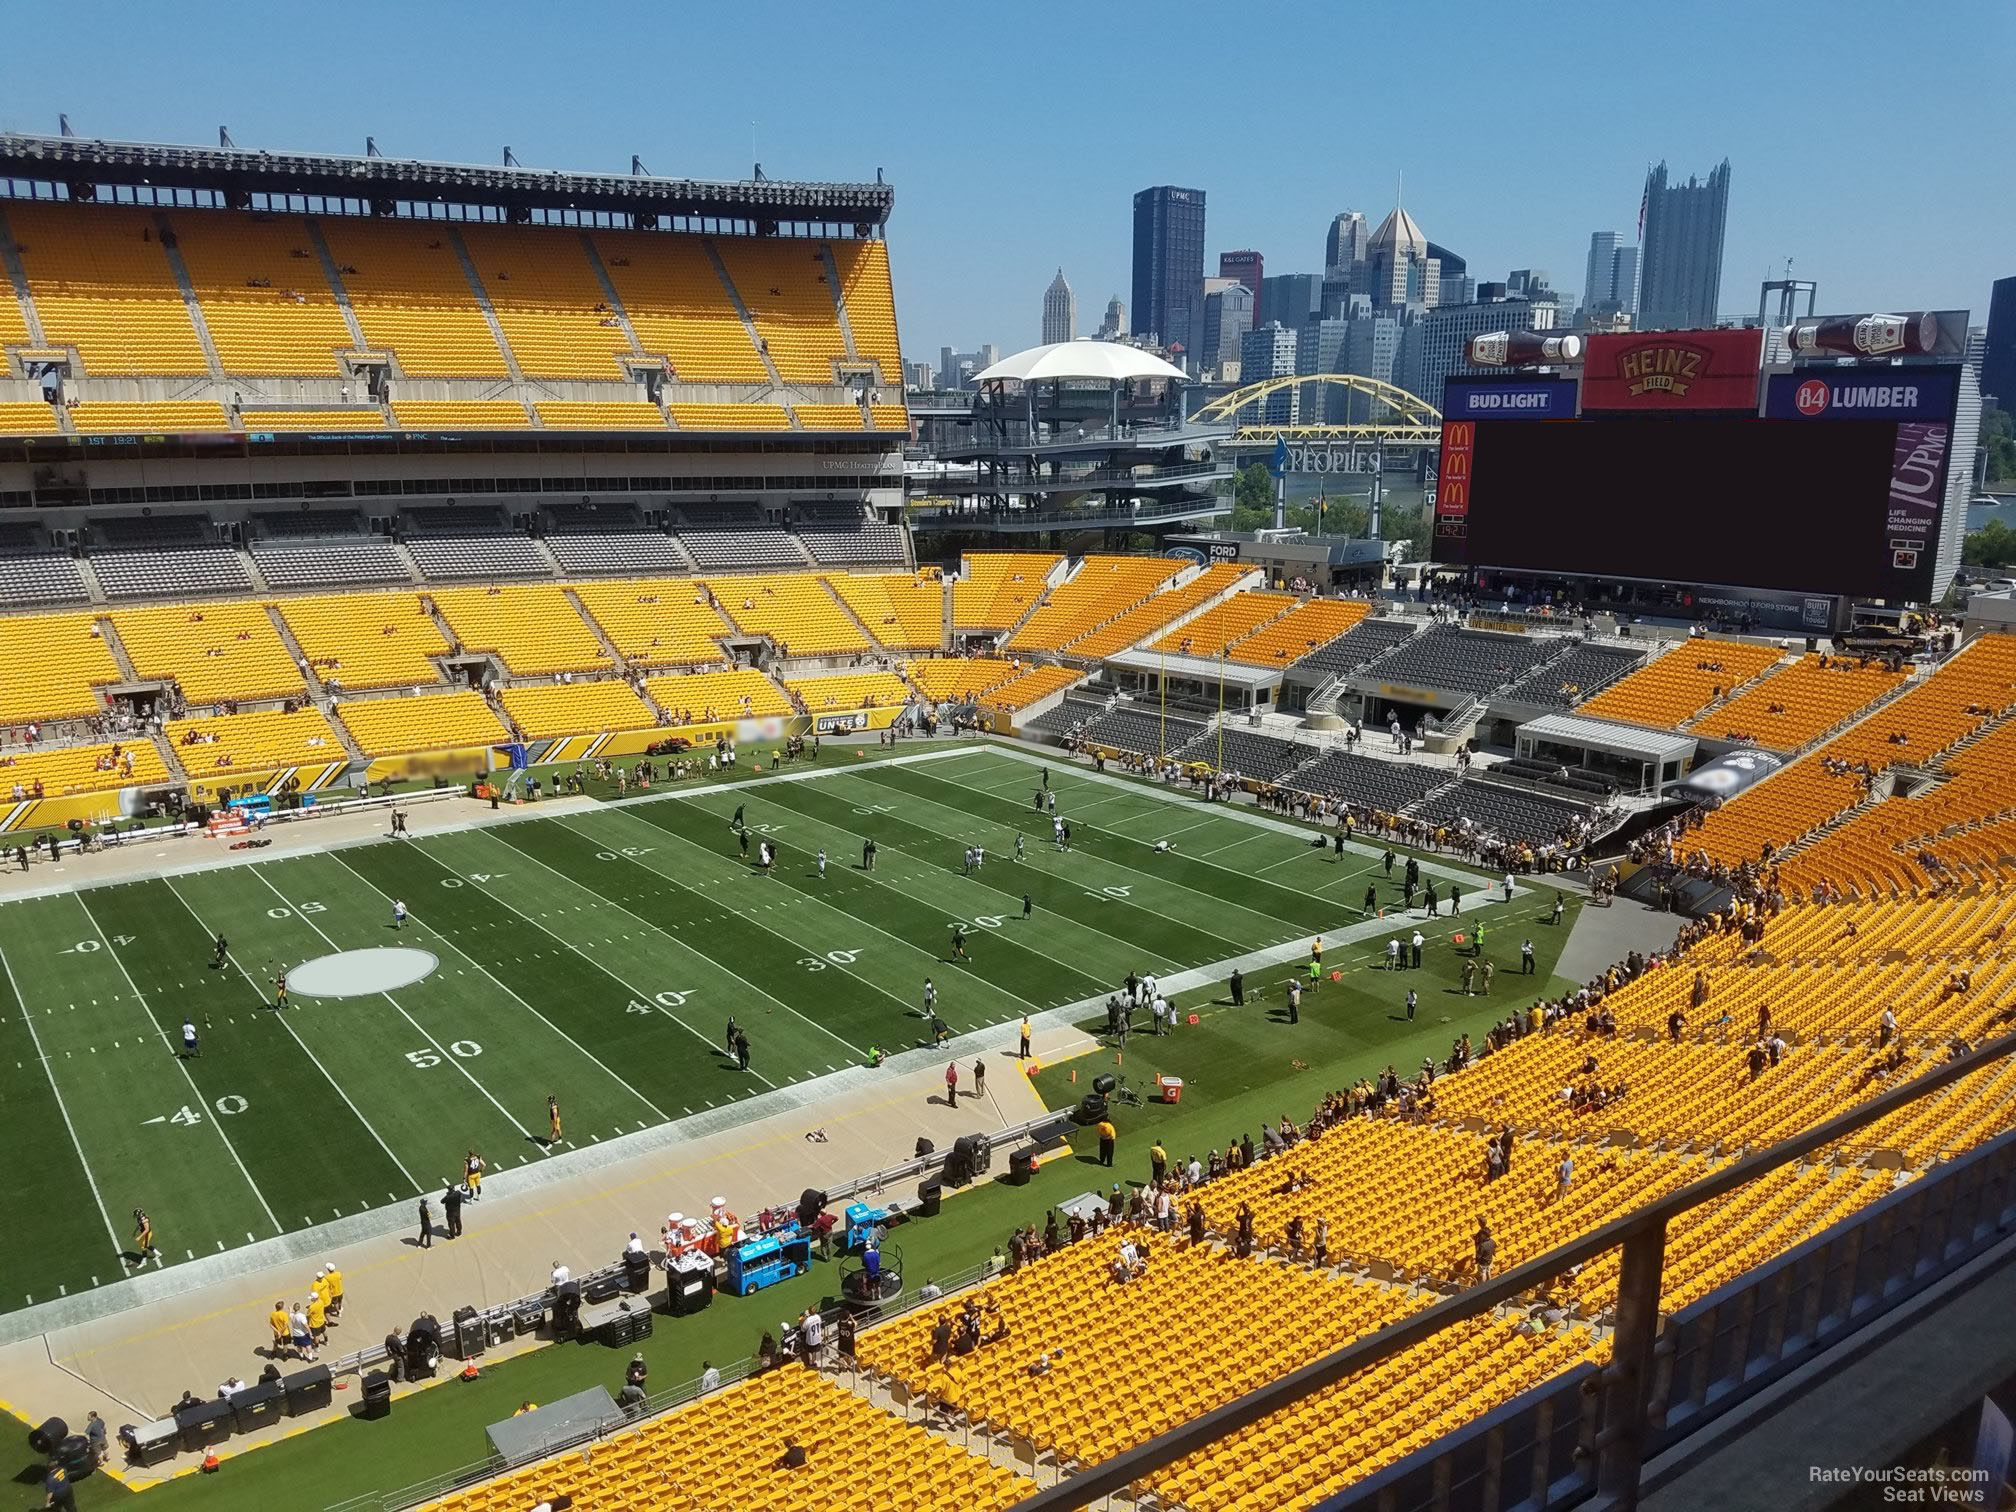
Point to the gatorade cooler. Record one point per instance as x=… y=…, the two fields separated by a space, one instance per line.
x=1170 y=1088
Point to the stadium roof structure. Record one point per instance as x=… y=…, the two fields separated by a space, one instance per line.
x=1110 y=361
x=1630 y=741
x=84 y=166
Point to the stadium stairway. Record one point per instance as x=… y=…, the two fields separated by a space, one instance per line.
x=840 y=312
x=616 y=661
x=335 y=276
x=172 y=251
x=302 y=660
x=610 y=293
x=117 y=647
x=847 y=612
x=748 y=320
x=17 y=276
x=489 y=310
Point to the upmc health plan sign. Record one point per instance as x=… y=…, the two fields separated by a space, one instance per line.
x=1894 y=393
x=1532 y=399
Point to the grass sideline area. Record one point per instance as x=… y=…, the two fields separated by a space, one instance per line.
x=1241 y=1068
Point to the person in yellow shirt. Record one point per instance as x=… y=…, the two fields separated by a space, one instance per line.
x=332 y=1288
x=282 y=1326
x=1107 y=1134
x=318 y=1317
x=472 y=1174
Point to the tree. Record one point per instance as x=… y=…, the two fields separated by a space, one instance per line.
x=1998 y=441
x=1992 y=546
x=1255 y=489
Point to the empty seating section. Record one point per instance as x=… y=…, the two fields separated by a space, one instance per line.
x=459 y=414
x=723 y=1450
x=1583 y=672
x=104 y=417
x=730 y=417
x=995 y=589
x=102 y=283
x=411 y=296
x=1260 y=757
x=1145 y=731
x=590 y=708
x=608 y=414
x=1799 y=703
x=849 y=690
x=1101 y=590
x=794 y=610
x=741 y=547
x=13 y=324
x=679 y=309
x=705 y=697
x=1032 y=686
x=1219 y=627
x=889 y=417
x=865 y=541
x=169 y=571
x=1682 y=683
x=372 y=419
x=366 y=640
x=623 y=551
x=532 y=628
x=1299 y=633
x=427 y=722
x=263 y=293
x=253 y=741
x=657 y=622
x=551 y=307
x=1152 y=613
x=507 y=554
x=828 y=417
x=33 y=572
x=1385 y=786
x=1465 y=661
x=309 y=524
x=1506 y=812
x=960 y=679
x=30 y=417
x=81 y=769
x=328 y=563
x=54 y=666
x=1360 y=644
x=785 y=288
x=218 y=653
x=904 y=611
x=871 y=314
x=1917 y=728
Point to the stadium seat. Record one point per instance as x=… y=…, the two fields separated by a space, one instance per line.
x=551 y=710
x=264 y=296
x=360 y=641
x=1681 y=684
x=231 y=746
x=1800 y=703
x=427 y=722
x=903 y=611
x=849 y=690
x=784 y=285
x=313 y=420
x=708 y=697
x=871 y=313
x=29 y=417
x=214 y=654
x=996 y=588
x=412 y=297
x=1215 y=630
x=1102 y=590
x=1299 y=633
x=55 y=665
x=657 y=622
x=730 y=417
x=532 y=628
x=552 y=308
x=104 y=417
x=680 y=309
x=556 y=414
x=81 y=769
x=102 y=283
x=960 y=679
x=459 y=414
x=794 y=610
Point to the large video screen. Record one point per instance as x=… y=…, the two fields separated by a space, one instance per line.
x=1848 y=507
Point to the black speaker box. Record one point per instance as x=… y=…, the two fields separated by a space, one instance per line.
x=308 y=1390
x=260 y=1405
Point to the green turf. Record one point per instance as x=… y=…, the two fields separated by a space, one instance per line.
x=596 y=958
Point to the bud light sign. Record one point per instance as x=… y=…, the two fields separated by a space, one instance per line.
x=1890 y=393
x=1533 y=399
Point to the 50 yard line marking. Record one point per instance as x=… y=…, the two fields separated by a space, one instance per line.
x=48 y=1070
x=180 y=1064
x=240 y=969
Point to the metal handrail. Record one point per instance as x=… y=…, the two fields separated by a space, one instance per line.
x=1638 y=1231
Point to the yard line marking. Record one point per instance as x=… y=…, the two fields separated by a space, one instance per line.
x=170 y=881
x=453 y=1060
x=338 y=859
x=689 y=949
x=630 y=987
x=181 y=1065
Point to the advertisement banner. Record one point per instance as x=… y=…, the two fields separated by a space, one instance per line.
x=1898 y=393
x=1726 y=776
x=1917 y=488
x=1674 y=371
x=1452 y=483
x=1527 y=399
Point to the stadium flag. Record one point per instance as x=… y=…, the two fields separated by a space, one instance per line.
x=1644 y=199
x=1278 y=463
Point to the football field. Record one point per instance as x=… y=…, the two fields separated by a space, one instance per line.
x=595 y=958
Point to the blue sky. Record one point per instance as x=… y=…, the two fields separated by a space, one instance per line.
x=1870 y=142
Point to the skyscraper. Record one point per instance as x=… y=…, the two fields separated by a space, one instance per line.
x=1624 y=280
x=1168 y=263
x=1399 y=270
x=1290 y=298
x=1599 y=279
x=1249 y=268
x=1228 y=316
x=1115 y=323
x=1344 y=244
x=1060 y=311
x=1680 y=274
x=1998 y=353
x=1269 y=352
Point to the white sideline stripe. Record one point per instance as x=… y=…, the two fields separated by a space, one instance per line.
x=442 y=1050
x=180 y=1064
x=597 y=1060
x=83 y=1160
x=240 y=969
x=631 y=987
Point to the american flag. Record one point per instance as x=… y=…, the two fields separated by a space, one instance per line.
x=1644 y=198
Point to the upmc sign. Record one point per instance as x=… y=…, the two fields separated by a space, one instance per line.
x=1536 y=399
x=1897 y=393
x=1673 y=371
